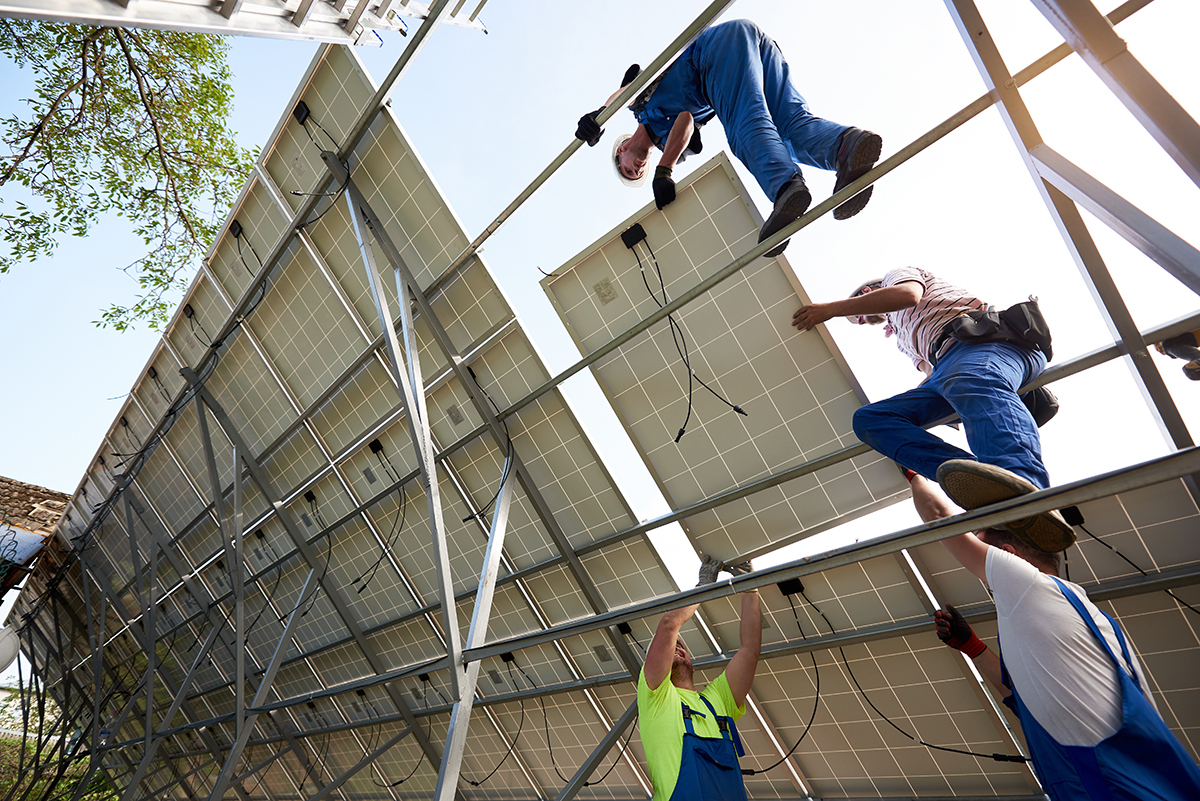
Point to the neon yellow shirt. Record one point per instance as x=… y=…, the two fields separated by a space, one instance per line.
x=660 y=715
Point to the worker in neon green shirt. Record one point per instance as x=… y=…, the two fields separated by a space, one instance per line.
x=691 y=742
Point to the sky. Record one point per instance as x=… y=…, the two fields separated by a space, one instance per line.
x=487 y=112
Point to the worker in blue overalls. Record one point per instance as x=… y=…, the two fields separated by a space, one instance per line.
x=1067 y=670
x=691 y=740
x=735 y=72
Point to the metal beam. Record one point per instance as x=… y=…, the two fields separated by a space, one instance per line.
x=235 y=752
x=468 y=677
x=602 y=748
x=1092 y=36
x=329 y=583
x=1066 y=216
x=406 y=373
x=1166 y=468
x=1139 y=229
x=180 y=694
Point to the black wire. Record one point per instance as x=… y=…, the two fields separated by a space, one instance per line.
x=816 y=702
x=1135 y=567
x=508 y=453
x=511 y=745
x=207 y=336
x=550 y=744
x=322 y=127
x=270 y=596
x=846 y=662
x=677 y=336
x=389 y=543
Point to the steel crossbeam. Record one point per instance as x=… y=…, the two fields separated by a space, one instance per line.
x=1092 y=36
x=1067 y=218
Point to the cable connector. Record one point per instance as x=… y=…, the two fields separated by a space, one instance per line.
x=235 y=228
x=679 y=436
x=1072 y=515
x=740 y=411
x=792 y=586
x=507 y=656
x=301 y=112
x=376 y=446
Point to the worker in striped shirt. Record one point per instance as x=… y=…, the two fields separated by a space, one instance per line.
x=978 y=381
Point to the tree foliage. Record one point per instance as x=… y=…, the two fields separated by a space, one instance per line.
x=126 y=121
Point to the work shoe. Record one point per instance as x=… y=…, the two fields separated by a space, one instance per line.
x=972 y=485
x=790 y=204
x=1192 y=369
x=857 y=153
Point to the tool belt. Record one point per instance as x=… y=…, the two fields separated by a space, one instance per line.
x=1022 y=325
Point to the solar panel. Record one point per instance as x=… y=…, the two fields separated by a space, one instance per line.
x=282 y=354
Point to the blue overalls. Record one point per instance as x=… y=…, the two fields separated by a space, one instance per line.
x=737 y=71
x=1142 y=761
x=710 y=770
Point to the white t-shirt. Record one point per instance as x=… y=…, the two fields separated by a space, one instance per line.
x=1055 y=663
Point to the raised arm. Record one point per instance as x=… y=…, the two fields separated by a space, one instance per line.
x=969 y=550
x=740 y=671
x=660 y=656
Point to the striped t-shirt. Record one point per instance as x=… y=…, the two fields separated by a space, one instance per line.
x=917 y=328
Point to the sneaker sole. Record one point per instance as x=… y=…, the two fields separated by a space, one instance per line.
x=972 y=485
x=866 y=153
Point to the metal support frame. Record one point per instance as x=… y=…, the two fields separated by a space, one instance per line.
x=1165 y=468
x=329 y=584
x=1092 y=36
x=602 y=748
x=406 y=373
x=235 y=752
x=984 y=52
x=1167 y=249
x=468 y=676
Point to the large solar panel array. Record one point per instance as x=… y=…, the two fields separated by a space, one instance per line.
x=271 y=408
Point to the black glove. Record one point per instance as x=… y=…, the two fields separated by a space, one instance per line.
x=664 y=187
x=589 y=130
x=631 y=73
x=953 y=629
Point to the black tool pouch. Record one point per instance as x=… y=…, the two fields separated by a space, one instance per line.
x=1022 y=325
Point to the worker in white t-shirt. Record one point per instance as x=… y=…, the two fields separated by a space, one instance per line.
x=1067 y=670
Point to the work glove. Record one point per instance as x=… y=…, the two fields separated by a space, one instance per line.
x=664 y=187
x=589 y=130
x=631 y=73
x=709 y=568
x=741 y=568
x=952 y=629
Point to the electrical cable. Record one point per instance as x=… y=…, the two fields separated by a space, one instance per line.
x=393 y=536
x=512 y=745
x=816 y=701
x=1134 y=566
x=549 y=744
x=508 y=453
x=271 y=595
x=677 y=336
x=846 y=662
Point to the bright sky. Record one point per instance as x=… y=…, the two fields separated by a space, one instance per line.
x=488 y=112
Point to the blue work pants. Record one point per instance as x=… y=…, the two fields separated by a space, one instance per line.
x=980 y=383
x=766 y=121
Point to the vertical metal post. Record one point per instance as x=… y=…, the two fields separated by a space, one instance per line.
x=239 y=595
x=418 y=425
x=460 y=714
x=180 y=695
x=1093 y=37
x=235 y=752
